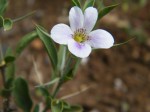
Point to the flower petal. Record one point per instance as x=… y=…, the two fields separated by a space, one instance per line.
x=100 y=39
x=79 y=49
x=61 y=33
x=90 y=18
x=76 y=18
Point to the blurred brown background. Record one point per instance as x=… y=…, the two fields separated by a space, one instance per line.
x=119 y=77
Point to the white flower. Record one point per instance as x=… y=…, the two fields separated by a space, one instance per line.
x=79 y=36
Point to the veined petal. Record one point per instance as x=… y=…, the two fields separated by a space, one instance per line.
x=79 y=49
x=61 y=33
x=76 y=18
x=90 y=18
x=101 y=39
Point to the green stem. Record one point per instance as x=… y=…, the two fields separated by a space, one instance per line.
x=23 y=17
x=61 y=80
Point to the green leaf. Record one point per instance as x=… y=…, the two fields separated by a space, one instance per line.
x=88 y=3
x=106 y=10
x=76 y=3
x=70 y=71
x=24 y=16
x=66 y=105
x=49 y=45
x=9 y=83
x=3 y=6
x=43 y=91
x=100 y=4
x=5 y=93
x=21 y=95
x=77 y=64
x=124 y=42
x=49 y=84
x=71 y=108
x=36 y=108
x=10 y=68
x=74 y=109
x=57 y=106
x=9 y=52
x=10 y=75
x=9 y=59
x=61 y=57
x=68 y=75
x=1 y=21
x=25 y=41
x=7 y=24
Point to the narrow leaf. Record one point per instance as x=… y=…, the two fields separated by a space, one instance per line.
x=25 y=41
x=1 y=21
x=74 y=109
x=10 y=68
x=71 y=108
x=36 y=108
x=3 y=6
x=9 y=59
x=10 y=74
x=68 y=75
x=5 y=92
x=49 y=45
x=61 y=57
x=88 y=3
x=7 y=24
x=76 y=3
x=77 y=64
x=123 y=42
x=106 y=10
x=57 y=106
x=24 y=16
x=21 y=95
x=70 y=71
x=100 y=4
x=49 y=83
x=42 y=91
x=66 y=105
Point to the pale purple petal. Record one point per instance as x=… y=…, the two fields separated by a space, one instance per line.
x=76 y=18
x=61 y=33
x=90 y=18
x=79 y=49
x=100 y=39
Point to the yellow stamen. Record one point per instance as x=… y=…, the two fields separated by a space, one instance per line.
x=80 y=36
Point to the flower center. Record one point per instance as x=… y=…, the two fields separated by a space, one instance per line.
x=80 y=35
